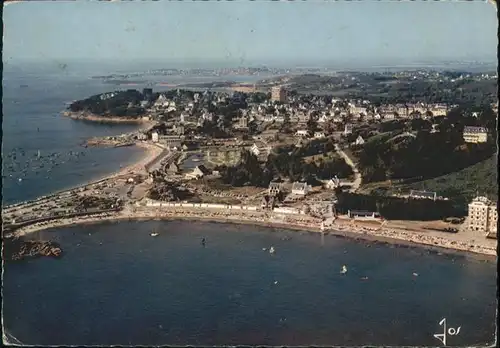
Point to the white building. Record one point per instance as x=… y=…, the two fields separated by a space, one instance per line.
x=259 y=150
x=483 y=216
x=475 y=135
x=319 y=135
x=423 y=194
x=359 y=140
x=300 y=188
x=333 y=183
x=348 y=129
x=154 y=137
x=301 y=133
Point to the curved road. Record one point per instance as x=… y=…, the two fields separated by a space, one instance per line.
x=357 y=176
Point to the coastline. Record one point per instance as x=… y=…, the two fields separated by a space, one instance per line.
x=85 y=116
x=152 y=152
x=355 y=233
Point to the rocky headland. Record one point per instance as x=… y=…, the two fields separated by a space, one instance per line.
x=19 y=248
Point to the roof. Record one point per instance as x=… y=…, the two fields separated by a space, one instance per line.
x=203 y=169
x=299 y=186
x=472 y=129
x=422 y=193
x=481 y=199
x=274 y=185
x=362 y=212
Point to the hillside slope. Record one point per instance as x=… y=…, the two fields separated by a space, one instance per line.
x=463 y=185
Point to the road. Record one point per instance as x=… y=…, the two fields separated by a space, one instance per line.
x=357 y=176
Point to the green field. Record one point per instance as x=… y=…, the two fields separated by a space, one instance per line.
x=463 y=185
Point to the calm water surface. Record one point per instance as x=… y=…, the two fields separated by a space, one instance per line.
x=118 y=285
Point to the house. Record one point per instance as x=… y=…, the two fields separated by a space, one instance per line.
x=259 y=150
x=389 y=116
x=423 y=194
x=348 y=129
x=362 y=214
x=319 y=135
x=333 y=183
x=243 y=122
x=154 y=137
x=475 y=135
x=198 y=172
x=274 y=188
x=435 y=128
x=142 y=136
x=300 y=188
x=173 y=168
x=483 y=216
x=179 y=130
x=301 y=133
x=359 y=140
x=323 y=119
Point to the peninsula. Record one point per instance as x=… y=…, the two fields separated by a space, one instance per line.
x=290 y=158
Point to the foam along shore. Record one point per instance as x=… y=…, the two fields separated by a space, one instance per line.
x=302 y=222
x=86 y=116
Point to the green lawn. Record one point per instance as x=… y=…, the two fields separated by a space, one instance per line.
x=463 y=185
x=460 y=186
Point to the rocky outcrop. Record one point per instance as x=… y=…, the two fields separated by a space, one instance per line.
x=18 y=248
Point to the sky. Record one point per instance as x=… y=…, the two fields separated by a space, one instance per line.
x=246 y=33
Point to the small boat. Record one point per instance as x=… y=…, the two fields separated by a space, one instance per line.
x=415 y=274
x=203 y=242
x=154 y=234
x=343 y=270
x=264 y=249
x=271 y=250
x=364 y=278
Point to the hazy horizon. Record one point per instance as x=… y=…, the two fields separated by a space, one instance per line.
x=339 y=35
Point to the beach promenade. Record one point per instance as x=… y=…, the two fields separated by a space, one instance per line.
x=402 y=232
x=341 y=227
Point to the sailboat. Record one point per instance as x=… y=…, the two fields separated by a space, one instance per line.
x=271 y=250
x=154 y=234
x=343 y=270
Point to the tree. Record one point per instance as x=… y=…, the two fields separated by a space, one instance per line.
x=285 y=127
x=312 y=126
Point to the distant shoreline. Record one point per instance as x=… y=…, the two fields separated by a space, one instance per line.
x=85 y=116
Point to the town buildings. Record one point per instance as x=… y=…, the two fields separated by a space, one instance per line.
x=475 y=135
x=423 y=195
x=483 y=216
x=278 y=94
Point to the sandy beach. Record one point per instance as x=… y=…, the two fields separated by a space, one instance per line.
x=302 y=223
x=152 y=152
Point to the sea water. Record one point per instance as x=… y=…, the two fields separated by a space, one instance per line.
x=32 y=103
